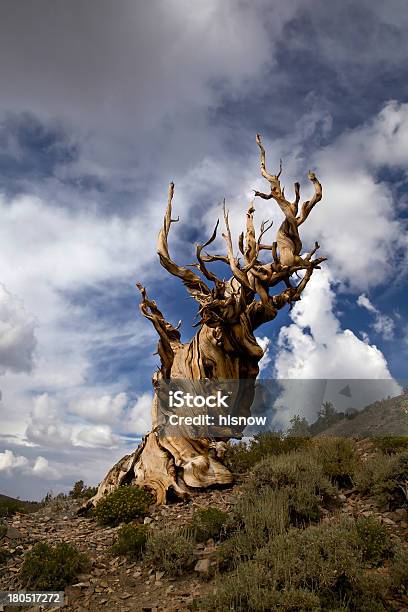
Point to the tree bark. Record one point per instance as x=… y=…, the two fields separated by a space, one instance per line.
x=224 y=347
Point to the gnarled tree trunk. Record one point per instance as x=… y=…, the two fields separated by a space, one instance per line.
x=224 y=347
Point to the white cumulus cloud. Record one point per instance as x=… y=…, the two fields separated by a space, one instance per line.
x=104 y=409
x=315 y=347
x=11 y=464
x=383 y=324
x=138 y=420
x=92 y=436
x=266 y=359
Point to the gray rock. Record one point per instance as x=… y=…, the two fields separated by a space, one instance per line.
x=203 y=566
x=13 y=534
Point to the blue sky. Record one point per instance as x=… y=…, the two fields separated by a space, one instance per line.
x=102 y=105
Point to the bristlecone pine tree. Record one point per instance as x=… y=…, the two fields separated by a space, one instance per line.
x=224 y=347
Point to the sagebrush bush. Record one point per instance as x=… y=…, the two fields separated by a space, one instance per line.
x=391 y=445
x=238 y=457
x=302 y=476
x=131 y=541
x=385 y=477
x=208 y=523
x=4 y=555
x=47 y=568
x=256 y=521
x=374 y=540
x=320 y=567
x=399 y=569
x=392 y=489
x=123 y=505
x=3 y=530
x=249 y=588
x=369 y=473
x=337 y=457
x=241 y=457
x=170 y=551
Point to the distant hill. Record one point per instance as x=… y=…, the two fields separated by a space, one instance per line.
x=10 y=505
x=385 y=417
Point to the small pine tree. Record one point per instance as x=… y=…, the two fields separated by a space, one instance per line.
x=299 y=427
x=78 y=489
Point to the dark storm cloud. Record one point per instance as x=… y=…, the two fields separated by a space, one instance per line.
x=133 y=85
x=133 y=76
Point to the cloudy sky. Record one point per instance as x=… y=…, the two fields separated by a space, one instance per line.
x=102 y=104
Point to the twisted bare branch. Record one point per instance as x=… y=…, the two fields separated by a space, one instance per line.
x=288 y=240
x=169 y=336
x=194 y=284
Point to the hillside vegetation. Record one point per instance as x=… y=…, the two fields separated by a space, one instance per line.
x=311 y=524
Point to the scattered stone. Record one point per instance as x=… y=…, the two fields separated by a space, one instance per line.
x=203 y=565
x=13 y=534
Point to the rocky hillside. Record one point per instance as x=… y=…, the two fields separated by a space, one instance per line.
x=8 y=505
x=112 y=583
x=339 y=502
x=385 y=417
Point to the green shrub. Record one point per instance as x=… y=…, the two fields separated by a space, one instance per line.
x=271 y=443
x=391 y=445
x=297 y=599
x=4 y=555
x=123 y=505
x=369 y=472
x=208 y=523
x=241 y=457
x=374 y=540
x=320 y=567
x=399 y=569
x=249 y=588
x=3 y=530
x=392 y=489
x=131 y=541
x=302 y=476
x=257 y=520
x=385 y=477
x=51 y=569
x=337 y=458
x=170 y=551
x=288 y=470
x=238 y=457
x=304 y=504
